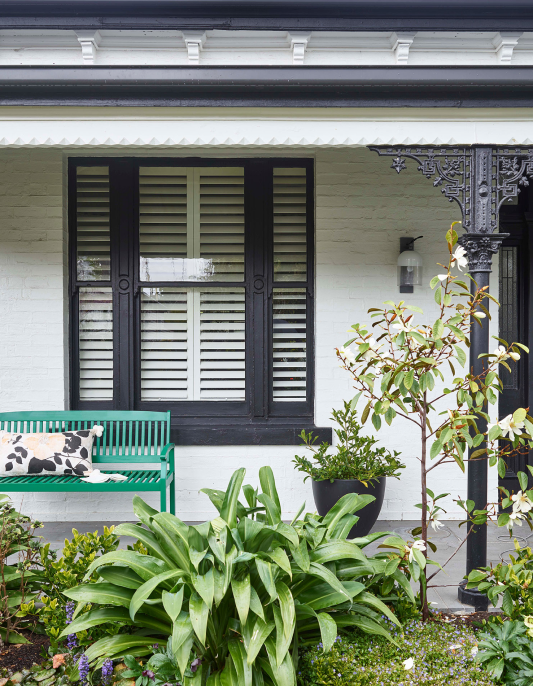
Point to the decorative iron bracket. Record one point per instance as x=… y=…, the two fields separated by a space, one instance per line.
x=450 y=167
x=480 y=248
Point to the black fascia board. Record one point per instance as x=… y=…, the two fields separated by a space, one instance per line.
x=268 y=86
x=326 y=15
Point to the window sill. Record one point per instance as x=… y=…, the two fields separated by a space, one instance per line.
x=249 y=434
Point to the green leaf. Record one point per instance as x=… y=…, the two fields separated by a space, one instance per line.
x=460 y=355
x=120 y=644
x=204 y=585
x=260 y=633
x=355 y=400
x=243 y=669
x=272 y=510
x=502 y=468
x=268 y=484
x=409 y=378
x=286 y=604
x=199 y=613
x=301 y=555
x=328 y=630
x=143 y=565
x=507 y=603
x=522 y=478
x=242 y=592
x=438 y=329
x=101 y=594
x=279 y=556
x=267 y=577
x=434 y=281
x=376 y=421
x=172 y=603
x=145 y=591
x=256 y=605
x=282 y=641
x=519 y=415
x=438 y=295
x=366 y=412
x=330 y=578
x=181 y=631
x=228 y=511
x=435 y=449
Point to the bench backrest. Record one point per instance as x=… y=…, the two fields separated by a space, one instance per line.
x=128 y=436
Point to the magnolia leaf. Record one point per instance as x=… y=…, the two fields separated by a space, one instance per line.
x=522 y=478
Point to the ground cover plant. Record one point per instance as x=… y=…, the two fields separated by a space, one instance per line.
x=426 y=654
x=506 y=652
x=354 y=455
x=236 y=598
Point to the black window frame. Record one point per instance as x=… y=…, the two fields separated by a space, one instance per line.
x=257 y=420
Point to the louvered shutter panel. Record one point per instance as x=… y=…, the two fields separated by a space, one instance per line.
x=219 y=221
x=289 y=309
x=164 y=344
x=290 y=224
x=92 y=224
x=221 y=347
x=96 y=343
x=164 y=217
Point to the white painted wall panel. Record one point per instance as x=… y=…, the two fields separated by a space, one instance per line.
x=362 y=209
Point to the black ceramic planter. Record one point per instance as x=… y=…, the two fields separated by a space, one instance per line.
x=326 y=494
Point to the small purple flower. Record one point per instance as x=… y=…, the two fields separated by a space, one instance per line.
x=83 y=668
x=195 y=664
x=155 y=646
x=148 y=673
x=72 y=641
x=107 y=672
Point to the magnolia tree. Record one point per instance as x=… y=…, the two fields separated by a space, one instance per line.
x=396 y=364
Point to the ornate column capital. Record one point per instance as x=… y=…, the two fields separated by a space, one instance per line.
x=480 y=248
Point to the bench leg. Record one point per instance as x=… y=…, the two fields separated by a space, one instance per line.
x=173 y=496
x=163 y=499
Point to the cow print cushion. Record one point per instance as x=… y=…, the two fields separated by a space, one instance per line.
x=69 y=452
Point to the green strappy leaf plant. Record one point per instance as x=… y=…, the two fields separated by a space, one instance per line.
x=240 y=593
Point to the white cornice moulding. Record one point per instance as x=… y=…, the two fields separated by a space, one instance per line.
x=505 y=43
x=401 y=44
x=89 y=41
x=299 y=41
x=195 y=41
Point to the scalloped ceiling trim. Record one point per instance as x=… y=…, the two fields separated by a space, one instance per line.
x=92 y=133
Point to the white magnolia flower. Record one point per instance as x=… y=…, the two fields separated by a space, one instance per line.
x=401 y=327
x=501 y=354
x=409 y=663
x=442 y=277
x=417 y=545
x=509 y=426
x=514 y=356
x=521 y=503
x=348 y=354
x=459 y=257
x=372 y=351
x=515 y=518
x=435 y=521
x=479 y=315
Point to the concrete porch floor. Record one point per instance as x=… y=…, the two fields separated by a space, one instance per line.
x=446 y=539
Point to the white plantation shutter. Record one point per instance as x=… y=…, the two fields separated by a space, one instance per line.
x=96 y=343
x=191 y=224
x=163 y=221
x=219 y=220
x=164 y=344
x=219 y=344
x=192 y=344
x=290 y=224
x=92 y=224
x=289 y=319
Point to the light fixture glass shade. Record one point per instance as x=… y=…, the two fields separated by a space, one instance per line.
x=410 y=268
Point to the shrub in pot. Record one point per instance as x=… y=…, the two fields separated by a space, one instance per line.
x=353 y=465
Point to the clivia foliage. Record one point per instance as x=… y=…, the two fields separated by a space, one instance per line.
x=396 y=368
x=354 y=456
x=233 y=599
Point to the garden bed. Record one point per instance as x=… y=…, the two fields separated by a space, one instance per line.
x=17 y=656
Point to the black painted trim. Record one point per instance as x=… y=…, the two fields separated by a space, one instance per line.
x=269 y=86
x=325 y=15
x=256 y=420
x=232 y=434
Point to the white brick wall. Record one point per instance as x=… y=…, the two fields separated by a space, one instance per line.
x=362 y=209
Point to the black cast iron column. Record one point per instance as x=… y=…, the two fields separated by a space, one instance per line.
x=480 y=244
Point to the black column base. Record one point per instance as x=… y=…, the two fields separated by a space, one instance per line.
x=471 y=596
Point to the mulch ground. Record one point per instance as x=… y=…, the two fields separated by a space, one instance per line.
x=17 y=656
x=474 y=619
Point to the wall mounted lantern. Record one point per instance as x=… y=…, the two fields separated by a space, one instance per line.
x=409 y=265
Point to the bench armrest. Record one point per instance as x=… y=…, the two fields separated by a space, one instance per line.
x=167 y=459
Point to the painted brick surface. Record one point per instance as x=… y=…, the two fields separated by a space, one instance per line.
x=362 y=209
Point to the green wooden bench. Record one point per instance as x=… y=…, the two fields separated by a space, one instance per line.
x=129 y=438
